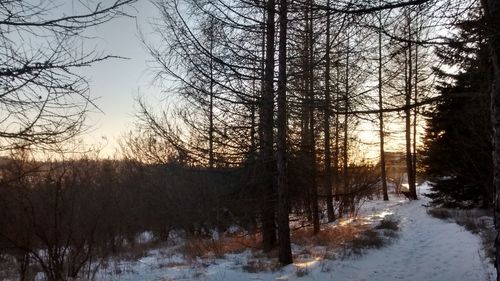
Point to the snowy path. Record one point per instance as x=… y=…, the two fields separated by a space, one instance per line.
x=428 y=249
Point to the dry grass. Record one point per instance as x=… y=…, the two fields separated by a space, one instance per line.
x=347 y=240
x=198 y=247
x=331 y=237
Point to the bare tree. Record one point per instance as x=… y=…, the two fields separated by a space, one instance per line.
x=43 y=98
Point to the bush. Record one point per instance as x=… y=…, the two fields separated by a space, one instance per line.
x=389 y=223
x=439 y=213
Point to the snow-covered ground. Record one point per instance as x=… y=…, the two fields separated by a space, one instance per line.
x=428 y=249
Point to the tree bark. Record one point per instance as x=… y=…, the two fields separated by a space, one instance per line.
x=345 y=199
x=408 y=127
x=336 y=156
x=268 y=215
x=326 y=126
x=312 y=133
x=383 y=175
x=284 y=247
x=492 y=13
x=211 y=101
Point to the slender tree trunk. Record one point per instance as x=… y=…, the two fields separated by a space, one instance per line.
x=408 y=98
x=336 y=156
x=211 y=102
x=492 y=13
x=312 y=123
x=262 y=81
x=305 y=125
x=268 y=216
x=381 y=114
x=346 y=198
x=415 y=110
x=252 y=122
x=326 y=126
x=284 y=248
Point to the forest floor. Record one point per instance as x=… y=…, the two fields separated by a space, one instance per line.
x=423 y=248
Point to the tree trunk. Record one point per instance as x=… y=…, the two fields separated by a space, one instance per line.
x=408 y=127
x=211 y=101
x=492 y=13
x=336 y=156
x=345 y=198
x=268 y=215
x=326 y=127
x=312 y=134
x=284 y=247
x=415 y=101
x=381 y=114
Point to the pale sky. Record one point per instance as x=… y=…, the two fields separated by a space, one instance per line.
x=116 y=83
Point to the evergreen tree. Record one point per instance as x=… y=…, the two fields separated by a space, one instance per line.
x=458 y=138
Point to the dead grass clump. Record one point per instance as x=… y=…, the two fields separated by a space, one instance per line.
x=369 y=239
x=135 y=252
x=260 y=265
x=488 y=242
x=349 y=239
x=301 y=271
x=333 y=237
x=440 y=213
x=470 y=225
x=198 y=247
x=389 y=223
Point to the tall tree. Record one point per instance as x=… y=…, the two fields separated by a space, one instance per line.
x=311 y=99
x=267 y=124
x=457 y=141
x=285 y=252
x=492 y=14
x=408 y=99
x=381 y=114
x=326 y=125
